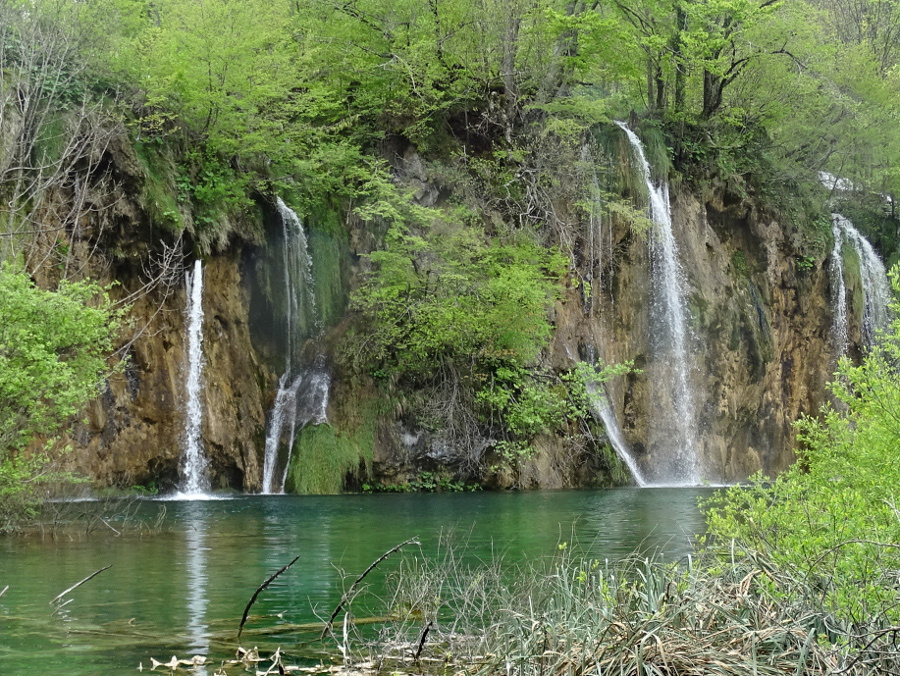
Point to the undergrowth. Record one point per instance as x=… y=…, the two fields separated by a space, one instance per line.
x=640 y=616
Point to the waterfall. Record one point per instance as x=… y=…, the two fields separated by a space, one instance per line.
x=603 y=410
x=194 y=465
x=674 y=419
x=594 y=278
x=302 y=396
x=876 y=289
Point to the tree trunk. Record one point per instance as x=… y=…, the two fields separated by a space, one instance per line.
x=712 y=93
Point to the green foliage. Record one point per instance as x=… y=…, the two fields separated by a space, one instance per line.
x=427 y=482
x=53 y=350
x=455 y=298
x=833 y=516
x=805 y=263
x=325 y=457
x=214 y=191
x=321 y=460
x=739 y=263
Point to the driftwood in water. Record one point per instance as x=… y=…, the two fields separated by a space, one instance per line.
x=329 y=625
x=422 y=640
x=78 y=584
x=259 y=590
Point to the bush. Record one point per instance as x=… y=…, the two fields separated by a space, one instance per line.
x=834 y=515
x=53 y=349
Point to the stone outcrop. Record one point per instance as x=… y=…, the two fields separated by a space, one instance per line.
x=759 y=334
x=759 y=320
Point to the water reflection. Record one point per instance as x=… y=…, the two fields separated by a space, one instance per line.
x=182 y=589
x=197 y=601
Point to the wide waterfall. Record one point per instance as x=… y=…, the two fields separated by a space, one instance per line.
x=195 y=480
x=675 y=444
x=876 y=289
x=303 y=387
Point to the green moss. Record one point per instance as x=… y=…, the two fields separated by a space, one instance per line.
x=324 y=454
x=159 y=194
x=330 y=259
x=853 y=275
x=739 y=263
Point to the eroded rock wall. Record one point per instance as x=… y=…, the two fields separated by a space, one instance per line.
x=758 y=341
x=133 y=433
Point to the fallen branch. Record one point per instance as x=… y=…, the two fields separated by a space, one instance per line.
x=329 y=625
x=78 y=584
x=259 y=590
x=4 y=590
x=422 y=641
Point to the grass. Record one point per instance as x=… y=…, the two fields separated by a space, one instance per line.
x=638 y=617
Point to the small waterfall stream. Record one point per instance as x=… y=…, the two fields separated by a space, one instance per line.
x=194 y=463
x=676 y=438
x=302 y=396
x=876 y=289
x=593 y=263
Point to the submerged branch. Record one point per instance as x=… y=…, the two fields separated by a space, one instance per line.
x=259 y=590
x=349 y=593
x=78 y=584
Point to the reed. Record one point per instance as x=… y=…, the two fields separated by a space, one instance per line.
x=638 y=617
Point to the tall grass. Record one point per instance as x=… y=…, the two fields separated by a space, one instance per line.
x=638 y=617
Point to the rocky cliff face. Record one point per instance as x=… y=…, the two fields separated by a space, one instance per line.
x=758 y=335
x=759 y=346
x=133 y=434
x=134 y=431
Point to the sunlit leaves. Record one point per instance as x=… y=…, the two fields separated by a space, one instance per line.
x=834 y=515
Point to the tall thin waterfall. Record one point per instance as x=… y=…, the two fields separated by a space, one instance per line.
x=677 y=441
x=593 y=265
x=194 y=463
x=302 y=395
x=876 y=289
x=594 y=254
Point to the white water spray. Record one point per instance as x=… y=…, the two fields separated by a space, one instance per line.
x=302 y=395
x=194 y=465
x=602 y=409
x=677 y=439
x=876 y=289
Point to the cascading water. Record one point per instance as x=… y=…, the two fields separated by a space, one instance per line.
x=677 y=461
x=194 y=465
x=302 y=396
x=876 y=289
x=602 y=409
x=593 y=264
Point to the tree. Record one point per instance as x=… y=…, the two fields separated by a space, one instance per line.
x=53 y=351
x=875 y=23
x=53 y=128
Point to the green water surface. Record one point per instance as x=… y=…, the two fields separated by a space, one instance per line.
x=181 y=588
